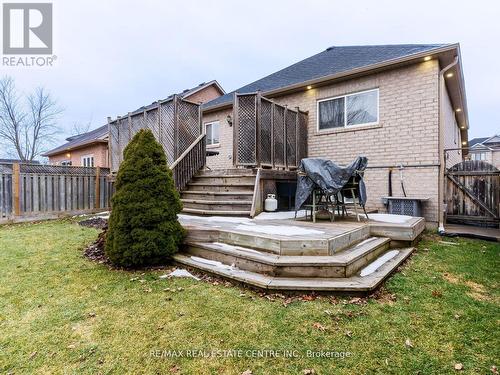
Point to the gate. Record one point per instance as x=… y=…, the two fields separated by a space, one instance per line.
x=473 y=193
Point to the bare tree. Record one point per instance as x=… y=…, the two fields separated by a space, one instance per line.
x=80 y=128
x=27 y=128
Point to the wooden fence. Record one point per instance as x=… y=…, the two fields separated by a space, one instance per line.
x=268 y=134
x=42 y=191
x=473 y=193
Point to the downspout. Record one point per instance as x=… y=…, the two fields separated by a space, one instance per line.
x=442 y=162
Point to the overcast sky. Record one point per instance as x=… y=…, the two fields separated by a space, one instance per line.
x=116 y=55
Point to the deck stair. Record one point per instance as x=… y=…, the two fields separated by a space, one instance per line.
x=220 y=192
x=353 y=261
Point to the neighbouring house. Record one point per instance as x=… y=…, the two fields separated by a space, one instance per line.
x=486 y=149
x=398 y=105
x=91 y=149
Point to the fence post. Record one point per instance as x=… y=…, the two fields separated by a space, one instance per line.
x=16 y=188
x=97 y=187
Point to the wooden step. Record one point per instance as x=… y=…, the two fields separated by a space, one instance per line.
x=217 y=195
x=281 y=245
x=342 y=264
x=222 y=180
x=212 y=205
x=227 y=187
x=195 y=211
x=352 y=284
x=227 y=172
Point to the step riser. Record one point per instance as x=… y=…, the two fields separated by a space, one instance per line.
x=300 y=270
x=221 y=188
x=213 y=212
x=346 y=240
x=224 y=172
x=225 y=180
x=218 y=207
x=215 y=197
x=251 y=241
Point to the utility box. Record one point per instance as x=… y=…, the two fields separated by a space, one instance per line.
x=409 y=206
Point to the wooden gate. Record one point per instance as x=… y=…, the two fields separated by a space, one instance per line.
x=473 y=193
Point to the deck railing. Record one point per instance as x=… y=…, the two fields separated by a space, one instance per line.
x=176 y=125
x=268 y=134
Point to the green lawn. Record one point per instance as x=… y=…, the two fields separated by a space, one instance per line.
x=60 y=313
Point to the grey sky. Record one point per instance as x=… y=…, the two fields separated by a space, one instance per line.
x=114 y=56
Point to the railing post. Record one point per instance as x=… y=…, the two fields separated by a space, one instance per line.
x=129 y=123
x=272 y=134
x=176 y=127
x=16 y=189
x=236 y=127
x=297 y=124
x=97 y=187
x=257 y=127
x=285 y=140
x=160 y=134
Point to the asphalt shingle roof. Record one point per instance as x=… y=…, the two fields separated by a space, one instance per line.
x=81 y=139
x=475 y=141
x=333 y=60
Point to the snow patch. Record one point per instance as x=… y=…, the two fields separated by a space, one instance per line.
x=389 y=218
x=372 y=267
x=282 y=215
x=179 y=272
x=288 y=230
x=213 y=263
x=215 y=219
x=226 y=246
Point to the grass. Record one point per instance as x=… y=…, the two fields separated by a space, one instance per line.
x=60 y=313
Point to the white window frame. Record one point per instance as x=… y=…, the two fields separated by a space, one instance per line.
x=345 y=112
x=90 y=156
x=475 y=155
x=212 y=123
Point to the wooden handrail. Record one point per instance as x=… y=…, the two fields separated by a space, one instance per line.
x=183 y=155
x=190 y=162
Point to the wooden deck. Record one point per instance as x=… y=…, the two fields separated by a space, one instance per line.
x=287 y=254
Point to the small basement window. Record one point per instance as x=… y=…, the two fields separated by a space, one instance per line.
x=66 y=162
x=212 y=131
x=360 y=108
x=88 y=160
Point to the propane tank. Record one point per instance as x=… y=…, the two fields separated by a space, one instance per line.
x=271 y=204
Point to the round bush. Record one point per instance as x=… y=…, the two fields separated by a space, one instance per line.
x=143 y=227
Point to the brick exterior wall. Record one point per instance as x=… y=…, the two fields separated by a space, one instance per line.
x=205 y=95
x=407 y=133
x=98 y=150
x=225 y=148
x=452 y=138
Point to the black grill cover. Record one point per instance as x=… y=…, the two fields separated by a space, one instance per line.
x=328 y=176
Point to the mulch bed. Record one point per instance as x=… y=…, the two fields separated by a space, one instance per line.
x=94 y=222
x=95 y=251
